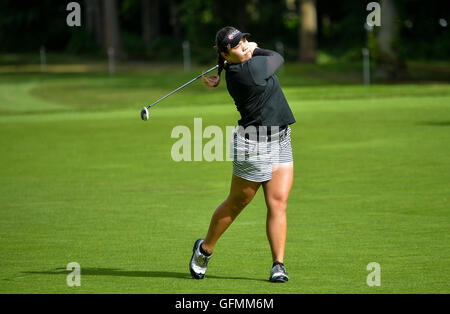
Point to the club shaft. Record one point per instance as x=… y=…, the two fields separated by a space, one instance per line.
x=174 y=91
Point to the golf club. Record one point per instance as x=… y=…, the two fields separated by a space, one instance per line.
x=144 y=113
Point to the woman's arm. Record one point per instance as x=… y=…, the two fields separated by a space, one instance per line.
x=264 y=63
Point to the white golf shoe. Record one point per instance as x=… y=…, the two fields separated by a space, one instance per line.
x=199 y=261
x=278 y=273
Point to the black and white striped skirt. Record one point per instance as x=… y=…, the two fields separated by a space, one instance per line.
x=256 y=153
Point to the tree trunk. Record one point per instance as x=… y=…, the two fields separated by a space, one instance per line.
x=94 y=19
x=150 y=20
x=389 y=65
x=175 y=19
x=308 y=31
x=112 y=29
x=387 y=31
x=242 y=15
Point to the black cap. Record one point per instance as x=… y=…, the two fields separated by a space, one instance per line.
x=231 y=39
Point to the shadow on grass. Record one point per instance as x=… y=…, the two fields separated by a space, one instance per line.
x=435 y=123
x=130 y=273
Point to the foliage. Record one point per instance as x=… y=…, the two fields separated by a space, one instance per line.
x=340 y=27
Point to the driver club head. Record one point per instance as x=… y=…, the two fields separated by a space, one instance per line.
x=144 y=114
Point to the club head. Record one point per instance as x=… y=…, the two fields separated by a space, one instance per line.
x=144 y=114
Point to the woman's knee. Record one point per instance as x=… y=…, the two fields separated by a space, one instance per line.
x=277 y=204
x=238 y=203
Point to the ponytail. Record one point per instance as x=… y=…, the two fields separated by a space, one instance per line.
x=214 y=80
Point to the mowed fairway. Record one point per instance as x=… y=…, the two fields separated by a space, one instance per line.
x=83 y=179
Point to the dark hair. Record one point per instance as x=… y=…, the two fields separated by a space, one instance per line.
x=214 y=80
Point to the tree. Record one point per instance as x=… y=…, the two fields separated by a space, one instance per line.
x=150 y=20
x=308 y=31
x=387 y=31
x=94 y=19
x=175 y=22
x=112 y=28
x=389 y=63
x=241 y=14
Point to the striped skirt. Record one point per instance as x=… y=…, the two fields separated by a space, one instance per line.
x=255 y=154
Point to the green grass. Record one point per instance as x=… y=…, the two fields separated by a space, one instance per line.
x=84 y=180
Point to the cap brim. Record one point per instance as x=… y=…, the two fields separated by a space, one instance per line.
x=238 y=38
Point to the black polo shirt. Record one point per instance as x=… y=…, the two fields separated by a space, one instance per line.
x=256 y=90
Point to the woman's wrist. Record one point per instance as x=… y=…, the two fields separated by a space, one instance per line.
x=262 y=52
x=252 y=46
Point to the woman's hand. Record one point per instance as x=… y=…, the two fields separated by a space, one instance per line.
x=252 y=46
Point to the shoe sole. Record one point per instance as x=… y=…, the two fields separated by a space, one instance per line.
x=193 y=273
x=279 y=279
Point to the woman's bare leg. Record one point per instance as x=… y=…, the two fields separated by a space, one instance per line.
x=241 y=193
x=276 y=193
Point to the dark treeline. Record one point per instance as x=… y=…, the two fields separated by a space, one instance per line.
x=155 y=29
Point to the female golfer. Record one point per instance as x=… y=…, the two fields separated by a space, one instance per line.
x=262 y=154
